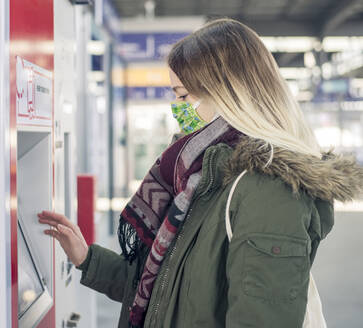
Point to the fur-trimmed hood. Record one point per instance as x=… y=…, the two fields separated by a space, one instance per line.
x=334 y=177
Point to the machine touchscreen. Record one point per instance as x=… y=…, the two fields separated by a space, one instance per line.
x=34 y=300
x=30 y=287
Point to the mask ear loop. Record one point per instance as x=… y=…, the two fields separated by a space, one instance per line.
x=196 y=104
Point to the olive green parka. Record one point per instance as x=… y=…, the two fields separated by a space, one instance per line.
x=279 y=214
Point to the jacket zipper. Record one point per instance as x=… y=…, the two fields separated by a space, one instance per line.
x=165 y=276
x=166 y=273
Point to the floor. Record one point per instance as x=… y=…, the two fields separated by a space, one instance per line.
x=338 y=272
x=108 y=311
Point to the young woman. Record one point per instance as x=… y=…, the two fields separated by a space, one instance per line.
x=178 y=268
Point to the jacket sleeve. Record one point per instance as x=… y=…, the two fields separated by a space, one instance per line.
x=104 y=271
x=267 y=265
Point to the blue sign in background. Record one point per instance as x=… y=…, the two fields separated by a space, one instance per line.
x=144 y=93
x=148 y=46
x=334 y=90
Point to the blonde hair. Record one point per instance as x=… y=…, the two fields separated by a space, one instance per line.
x=226 y=64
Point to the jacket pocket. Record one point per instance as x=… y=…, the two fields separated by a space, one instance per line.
x=275 y=266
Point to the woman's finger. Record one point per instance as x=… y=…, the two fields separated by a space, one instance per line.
x=78 y=232
x=49 y=215
x=65 y=231
x=53 y=233
x=51 y=223
x=56 y=218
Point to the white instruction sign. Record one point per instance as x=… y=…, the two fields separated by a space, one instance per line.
x=34 y=94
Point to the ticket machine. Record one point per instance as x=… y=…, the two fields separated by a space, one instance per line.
x=39 y=286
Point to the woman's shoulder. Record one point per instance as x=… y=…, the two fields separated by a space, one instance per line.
x=267 y=190
x=263 y=203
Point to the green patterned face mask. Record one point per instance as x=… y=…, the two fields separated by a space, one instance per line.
x=187 y=116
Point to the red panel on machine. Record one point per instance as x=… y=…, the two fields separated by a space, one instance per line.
x=86 y=206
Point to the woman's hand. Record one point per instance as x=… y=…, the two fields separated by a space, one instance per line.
x=68 y=234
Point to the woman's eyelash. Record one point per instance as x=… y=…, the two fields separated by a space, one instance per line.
x=183 y=97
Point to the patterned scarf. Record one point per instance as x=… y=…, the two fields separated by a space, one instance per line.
x=159 y=207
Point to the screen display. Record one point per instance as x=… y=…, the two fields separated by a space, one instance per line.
x=30 y=287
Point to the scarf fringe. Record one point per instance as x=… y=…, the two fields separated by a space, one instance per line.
x=128 y=239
